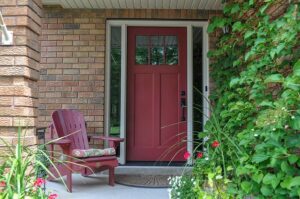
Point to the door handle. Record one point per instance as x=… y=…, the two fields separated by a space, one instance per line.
x=183 y=105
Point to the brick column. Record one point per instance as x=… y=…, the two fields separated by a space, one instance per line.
x=19 y=69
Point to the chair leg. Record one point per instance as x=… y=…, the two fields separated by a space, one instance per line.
x=69 y=181
x=112 y=176
x=87 y=172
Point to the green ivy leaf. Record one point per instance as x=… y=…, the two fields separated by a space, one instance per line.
x=267 y=104
x=246 y=186
x=293 y=159
x=263 y=8
x=297 y=68
x=260 y=40
x=248 y=34
x=295 y=123
x=234 y=82
x=266 y=191
x=292 y=83
x=269 y=178
x=274 y=78
x=286 y=182
x=257 y=177
x=236 y=62
x=237 y=26
x=295 y=181
x=217 y=22
x=235 y=8
x=285 y=167
x=257 y=158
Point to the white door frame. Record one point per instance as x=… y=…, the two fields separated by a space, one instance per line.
x=165 y=23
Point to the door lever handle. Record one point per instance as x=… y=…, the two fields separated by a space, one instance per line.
x=183 y=105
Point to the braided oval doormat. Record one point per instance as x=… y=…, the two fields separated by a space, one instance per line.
x=145 y=181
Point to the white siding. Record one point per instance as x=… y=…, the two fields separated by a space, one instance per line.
x=138 y=4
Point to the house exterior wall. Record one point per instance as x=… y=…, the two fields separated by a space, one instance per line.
x=73 y=58
x=19 y=69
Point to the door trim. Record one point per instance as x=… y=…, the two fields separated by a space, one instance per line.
x=165 y=23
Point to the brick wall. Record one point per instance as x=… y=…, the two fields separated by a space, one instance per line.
x=73 y=56
x=19 y=69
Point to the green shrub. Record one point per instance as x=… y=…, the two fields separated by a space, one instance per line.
x=256 y=70
x=18 y=175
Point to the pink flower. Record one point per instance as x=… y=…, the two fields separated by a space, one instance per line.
x=2 y=184
x=215 y=144
x=52 y=196
x=39 y=182
x=186 y=155
x=199 y=155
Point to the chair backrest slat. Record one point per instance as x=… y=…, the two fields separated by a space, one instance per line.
x=66 y=123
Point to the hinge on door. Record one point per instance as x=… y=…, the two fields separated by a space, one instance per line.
x=206 y=88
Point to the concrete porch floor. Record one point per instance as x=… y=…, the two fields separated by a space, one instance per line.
x=96 y=187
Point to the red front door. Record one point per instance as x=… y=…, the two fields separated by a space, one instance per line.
x=156 y=112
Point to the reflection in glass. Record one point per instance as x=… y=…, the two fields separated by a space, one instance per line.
x=157 y=55
x=142 y=50
x=157 y=41
x=197 y=82
x=171 y=44
x=115 y=79
x=141 y=55
x=156 y=50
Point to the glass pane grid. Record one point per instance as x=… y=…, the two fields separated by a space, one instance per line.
x=156 y=50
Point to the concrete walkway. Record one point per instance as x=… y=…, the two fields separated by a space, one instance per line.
x=97 y=187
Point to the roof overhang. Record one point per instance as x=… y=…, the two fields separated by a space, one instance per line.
x=138 y=4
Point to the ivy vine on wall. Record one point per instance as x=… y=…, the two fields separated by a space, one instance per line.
x=256 y=70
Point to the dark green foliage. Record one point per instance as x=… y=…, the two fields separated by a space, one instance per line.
x=256 y=70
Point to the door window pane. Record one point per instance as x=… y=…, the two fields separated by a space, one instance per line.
x=171 y=44
x=156 y=50
x=142 y=50
x=197 y=83
x=115 y=79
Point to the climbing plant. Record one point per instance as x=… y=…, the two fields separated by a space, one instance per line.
x=256 y=71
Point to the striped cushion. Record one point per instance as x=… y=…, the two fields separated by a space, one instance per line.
x=84 y=153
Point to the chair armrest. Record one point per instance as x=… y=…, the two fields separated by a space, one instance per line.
x=61 y=142
x=112 y=141
x=65 y=145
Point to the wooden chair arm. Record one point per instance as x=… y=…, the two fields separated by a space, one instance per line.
x=112 y=141
x=61 y=142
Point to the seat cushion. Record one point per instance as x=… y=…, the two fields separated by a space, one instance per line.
x=85 y=153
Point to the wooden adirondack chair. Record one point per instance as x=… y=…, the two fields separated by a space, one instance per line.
x=70 y=127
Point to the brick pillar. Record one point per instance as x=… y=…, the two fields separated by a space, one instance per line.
x=19 y=69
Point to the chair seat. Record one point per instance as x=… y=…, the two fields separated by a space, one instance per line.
x=86 y=153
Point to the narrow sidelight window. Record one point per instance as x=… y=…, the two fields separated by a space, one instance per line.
x=197 y=81
x=115 y=80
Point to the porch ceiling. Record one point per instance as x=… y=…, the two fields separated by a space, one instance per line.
x=138 y=4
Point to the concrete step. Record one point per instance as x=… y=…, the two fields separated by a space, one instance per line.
x=154 y=170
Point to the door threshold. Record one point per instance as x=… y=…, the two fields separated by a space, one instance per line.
x=154 y=170
x=155 y=163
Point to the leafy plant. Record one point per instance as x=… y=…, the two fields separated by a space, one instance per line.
x=18 y=175
x=182 y=187
x=257 y=102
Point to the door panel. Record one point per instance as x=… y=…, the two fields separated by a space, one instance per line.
x=156 y=87
x=142 y=83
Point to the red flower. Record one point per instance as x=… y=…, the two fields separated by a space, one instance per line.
x=52 y=196
x=186 y=155
x=2 y=184
x=215 y=144
x=199 y=155
x=39 y=182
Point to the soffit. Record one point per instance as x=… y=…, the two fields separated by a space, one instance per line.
x=138 y=4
